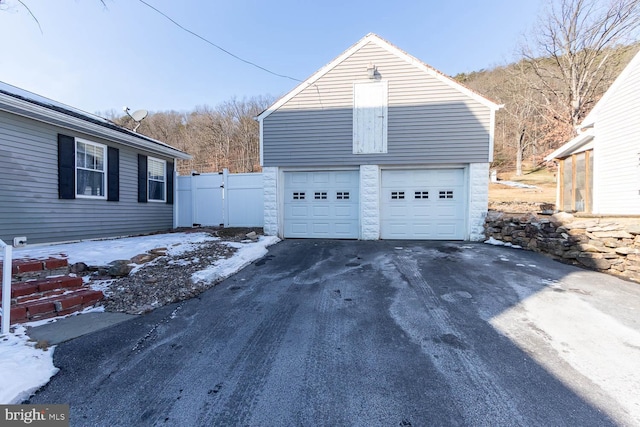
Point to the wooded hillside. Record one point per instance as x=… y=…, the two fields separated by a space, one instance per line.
x=225 y=136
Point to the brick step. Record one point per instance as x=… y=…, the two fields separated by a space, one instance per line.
x=55 y=305
x=21 y=266
x=39 y=287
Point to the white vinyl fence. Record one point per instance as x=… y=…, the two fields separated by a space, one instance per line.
x=220 y=199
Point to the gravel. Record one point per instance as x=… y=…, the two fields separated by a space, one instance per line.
x=167 y=278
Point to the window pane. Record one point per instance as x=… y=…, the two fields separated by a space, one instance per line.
x=581 y=175
x=80 y=155
x=567 y=180
x=90 y=156
x=589 y=207
x=156 y=169
x=100 y=160
x=90 y=183
x=156 y=190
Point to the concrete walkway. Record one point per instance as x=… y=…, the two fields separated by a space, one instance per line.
x=71 y=327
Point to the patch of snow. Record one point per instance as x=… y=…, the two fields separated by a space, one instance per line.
x=245 y=255
x=182 y=262
x=520 y=265
x=592 y=342
x=516 y=184
x=102 y=252
x=101 y=285
x=23 y=367
x=496 y=242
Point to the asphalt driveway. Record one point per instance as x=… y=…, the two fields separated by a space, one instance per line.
x=343 y=333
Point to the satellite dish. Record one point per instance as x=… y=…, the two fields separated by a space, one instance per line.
x=139 y=115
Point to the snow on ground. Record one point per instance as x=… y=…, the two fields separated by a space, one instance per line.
x=515 y=184
x=588 y=339
x=245 y=255
x=496 y=242
x=102 y=252
x=24 y=368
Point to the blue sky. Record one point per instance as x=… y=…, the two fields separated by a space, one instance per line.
x=99 y=59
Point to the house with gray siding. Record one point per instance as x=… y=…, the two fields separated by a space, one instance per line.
x=377 y=145
x=599 y=169
x=68 y=175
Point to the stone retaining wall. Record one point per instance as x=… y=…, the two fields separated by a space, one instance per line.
x=601 y=244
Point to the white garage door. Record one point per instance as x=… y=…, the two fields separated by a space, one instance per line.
x=321 y=204
x=423 y=204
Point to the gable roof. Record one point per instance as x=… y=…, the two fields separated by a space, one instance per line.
x=374 y=38
x=24 y=103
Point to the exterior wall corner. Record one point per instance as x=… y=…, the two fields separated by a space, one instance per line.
x=271 y=214
x=478 y=200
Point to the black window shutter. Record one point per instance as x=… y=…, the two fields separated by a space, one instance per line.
x=113 y=174
x=66 y=167
x=142 y=178
x=170 y=183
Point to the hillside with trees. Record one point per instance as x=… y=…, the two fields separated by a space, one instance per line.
x=225 y=136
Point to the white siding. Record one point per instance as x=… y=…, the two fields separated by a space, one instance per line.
x=617 y=149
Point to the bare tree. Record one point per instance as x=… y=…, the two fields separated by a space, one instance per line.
x=226 y=136
x=4 y=3
x=571 y=52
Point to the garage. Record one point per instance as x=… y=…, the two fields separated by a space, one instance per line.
x=423 y=204
x=321 y=204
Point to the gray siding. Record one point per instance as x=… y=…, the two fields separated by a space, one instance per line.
x=29 y=204
x=429 y=121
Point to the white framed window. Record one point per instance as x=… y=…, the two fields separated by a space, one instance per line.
x=91 y=169
x=156 y=179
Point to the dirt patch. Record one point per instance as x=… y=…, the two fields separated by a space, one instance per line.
x=511 y=199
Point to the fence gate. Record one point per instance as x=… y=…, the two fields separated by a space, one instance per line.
x=220 y=199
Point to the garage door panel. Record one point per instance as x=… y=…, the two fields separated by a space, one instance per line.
x=298 y=227
x=298 y=211
x=321 y=228
x=320 y=212
x=343 y=228
x=423 y=204
x=329 y=205
x=447 y=211
x=345 y=211
x=320 y=178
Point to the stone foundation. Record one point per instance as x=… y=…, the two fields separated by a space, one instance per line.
x=603 y=244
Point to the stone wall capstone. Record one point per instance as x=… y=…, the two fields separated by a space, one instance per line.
x=597 y=243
